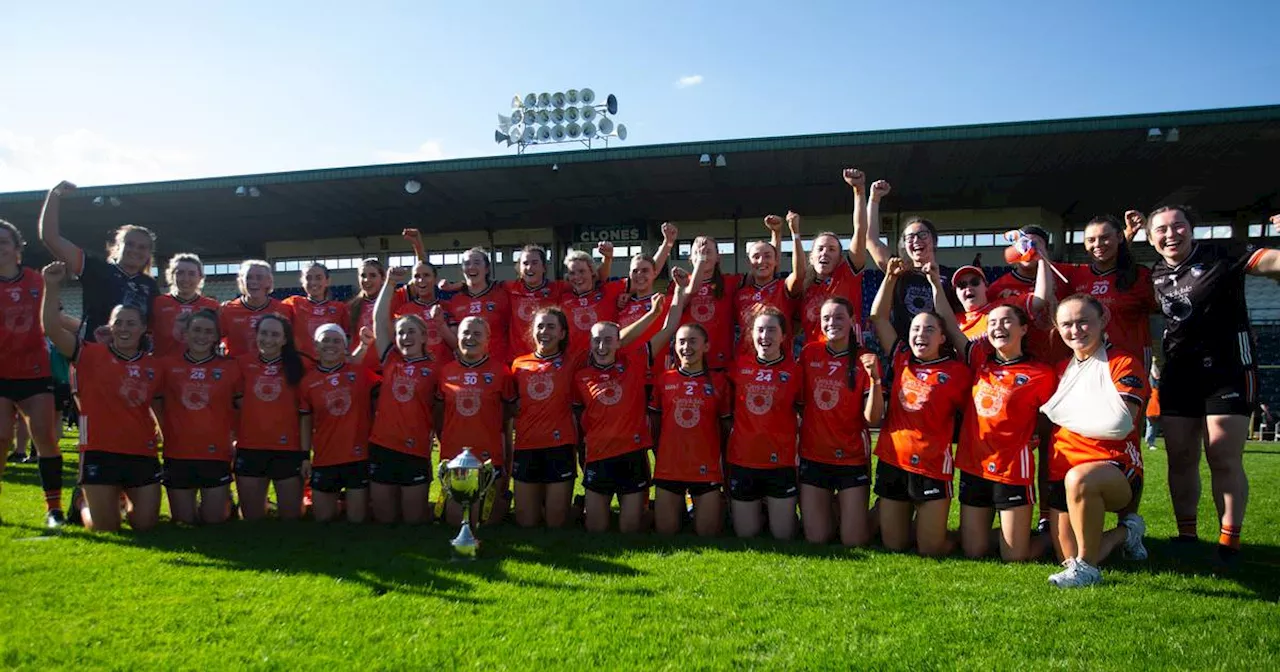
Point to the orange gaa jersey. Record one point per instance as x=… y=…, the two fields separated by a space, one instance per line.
x=115 y=394
x=845 y=281
x=598 y=304
x=310 y=315
x=198 y=416
x=494 y=305
x=1070 y=448
x=920 y=415
x=404 y=420
x=544 y=387
x=765 y=400
x=239 y=324
x=997 y=437
x=435 y=345
x=833 y=427
x=974 y=322
x=268 y=406
x=25 y=353
x=338 y=401
x=692 y=407
x=750 y=297
x=168 y=314
x=525 y=302
x=1129 y=326
x=475 y=396
x=718 y=315
x=1043 y=342
x=612 y=400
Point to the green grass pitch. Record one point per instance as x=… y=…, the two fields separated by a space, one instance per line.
x=302 y=596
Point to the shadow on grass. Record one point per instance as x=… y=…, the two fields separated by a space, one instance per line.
x=1257 y=572
x=23 y=474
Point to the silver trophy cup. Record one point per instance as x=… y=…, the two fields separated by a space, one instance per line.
x=466 y=480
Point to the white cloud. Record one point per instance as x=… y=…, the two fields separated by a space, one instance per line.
x=688 y=81
x=84 y=157
x=430 y=150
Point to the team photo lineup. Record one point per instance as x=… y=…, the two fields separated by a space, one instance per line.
x=744 y=404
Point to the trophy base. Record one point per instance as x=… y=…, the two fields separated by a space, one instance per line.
x=465 y=545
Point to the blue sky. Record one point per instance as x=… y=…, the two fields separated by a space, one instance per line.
x=147 y=91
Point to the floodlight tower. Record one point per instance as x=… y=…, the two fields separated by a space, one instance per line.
x=560 y=117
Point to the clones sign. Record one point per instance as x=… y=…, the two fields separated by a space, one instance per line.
x=613 y=234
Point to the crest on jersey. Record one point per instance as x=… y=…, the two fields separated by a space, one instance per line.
x=351 y=377
x=687 y=413
x=1197 y=270
x=267 y=389
x=608 y=392
x=402 y=387
x=195 y=396
x=584 y=319
x=784 y=376
x=338 y=401
x=217 y=374
x=943 y=378
x=988 y=399
x=759 y=399
x=1021 y=379
x=703 y=311
x=488 y=379
x=913 y=394
x=490 y=307
x=826 y=394
x=540 y=386
x=467 y=401
x=708 y=389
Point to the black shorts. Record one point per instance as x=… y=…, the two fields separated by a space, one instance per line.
x=276 y=465
x=338 y=477
x=1194 y=387
x=1058 y=489
x=62 y=396
x=752 y=485
x=834 y=477
x=621 y=475
x=545 y=465
x=979 y=492
x=392 y=467
x=182 y=474
x=899 y=485
x=123 y=471
x=681 y=487
x=21 y=389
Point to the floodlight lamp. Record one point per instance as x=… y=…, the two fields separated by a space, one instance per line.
x=516 y=102
x=531 y=100
x=621 y=132
x=1172 y=135
x=704 y=160
x=242 y=191
x=254 y=192
x=587 y=96
x=412 y=186
x=1154 y=135
x=720 y=162
x=99 y=201
x=544 y=99
x=611 y=104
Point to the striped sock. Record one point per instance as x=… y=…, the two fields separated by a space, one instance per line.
x=1229 y=536
x=1187 y=527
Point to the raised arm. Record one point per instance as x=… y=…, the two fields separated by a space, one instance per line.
x=65 y=340
x=873 y=409
x=669 y=234
x=882 y=307
x=799 y=260
x=414 y=237
x=880 y=253
x=1043 y=298
x=1266 y=262
x=51 y=229
x=605 y=269
x=383 y=333
x=942 y=306
x=857 y=180
x=680 y=281
x=628 y=334
x=1134 y=222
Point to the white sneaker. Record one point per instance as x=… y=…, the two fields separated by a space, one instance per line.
x=1078 y=575
x=1056 y=579
x=1151 y=446
x=1137 y=527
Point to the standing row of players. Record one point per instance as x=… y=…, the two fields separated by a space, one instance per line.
x=706 y=294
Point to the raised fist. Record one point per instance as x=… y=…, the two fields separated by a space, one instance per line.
x=658 y=300
x=880 y=189
x=855 y=178
x=412 y=235
x=871 y=365
x=399 y=275
x=62 y=189
x=605 y=248
x=366 y=336
x=54 y=273
x=1275 y=221
x=1133 y=221
x=773 y=223
x=669 y=233
x=793 y=222
x=894 y=267
x=930 y=269
x=679 y=276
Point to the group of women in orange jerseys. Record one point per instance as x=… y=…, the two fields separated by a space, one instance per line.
x=549 y=378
